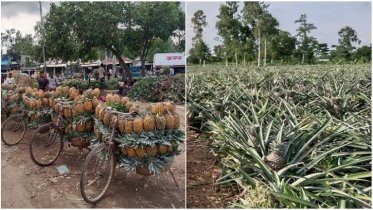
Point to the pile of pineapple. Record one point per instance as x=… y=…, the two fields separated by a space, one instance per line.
x=37 y=107
x=77 y=123
x=12 y=98
x=149 y=140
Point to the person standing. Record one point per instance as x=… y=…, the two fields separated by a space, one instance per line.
x=53 y=82
x=101 y=75
x=9 y=79
x=43 y=82
x=171 y=72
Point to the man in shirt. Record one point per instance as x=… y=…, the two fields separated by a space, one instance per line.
x=9 y=79
x=43 y=82
x=101 y=75
x=53 y=82
x=171 y=71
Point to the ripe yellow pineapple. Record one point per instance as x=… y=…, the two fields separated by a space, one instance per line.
x=109 y=97
x=131 y=151
x=170 y=107
x=97 y=132
x=102 y=113
x=138 y=125
x=129 y=104
x=125 y=151
x=121 y=124
x=151 y=151
x=95 y=102
x=65 y=90
x=74 y=93
x=77 y=99
x=75 y=111
x=39 y=103
x=81 y=127
x=98 y=109
x=158 y=108
x=140 y=151
x=88 y=93
x=124 y=100
x=106 y=118
x=112 y=122
x=57 y=107
x=134 y=109
x=176 y=120
x=68 y=128
x=58 y=90
x=45 y=102
x=50 y=102
x=169 y=121
x=160 y=122
x=149 y=123
x=88 y=105
x=116 y=98
x=66 y=113
x=96 y=92
x=80 y=107
x=128 y=125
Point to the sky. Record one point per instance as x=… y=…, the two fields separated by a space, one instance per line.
x=328 y=17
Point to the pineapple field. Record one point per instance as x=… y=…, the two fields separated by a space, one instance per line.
x=283 y=136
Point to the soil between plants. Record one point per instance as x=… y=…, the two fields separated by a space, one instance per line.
x=26 y=185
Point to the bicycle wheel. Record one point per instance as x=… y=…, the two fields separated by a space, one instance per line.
x=46 y=145
x=97 y=173
x=13 y=129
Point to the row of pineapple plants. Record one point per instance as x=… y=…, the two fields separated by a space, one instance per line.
x=148 y=140
x=303 y=133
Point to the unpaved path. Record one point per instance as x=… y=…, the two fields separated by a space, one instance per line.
x=26 y=185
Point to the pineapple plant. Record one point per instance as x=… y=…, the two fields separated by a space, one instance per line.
x=149 y=123
x=140 y=151
x=275 y=158
x=169 y=121
x=160 y=122
x=151 y=151
x=138 y=125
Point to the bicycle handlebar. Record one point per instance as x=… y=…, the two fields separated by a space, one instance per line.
x=121 y=113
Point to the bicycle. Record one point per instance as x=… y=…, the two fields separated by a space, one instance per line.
x=14 y=128
x=46 y=143
x=98 y=169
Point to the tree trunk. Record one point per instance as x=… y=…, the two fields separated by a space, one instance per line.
x=143 y=69
x=265 y=52
x=226 y=61
x=244 y=59
x=124 y=66
x=200 y=61
x=258 y=47
x=303 y=58
x=204 y=62
x=236 y=59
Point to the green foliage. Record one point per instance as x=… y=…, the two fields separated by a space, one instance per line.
x=143 y=88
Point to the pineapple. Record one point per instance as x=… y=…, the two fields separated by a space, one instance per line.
x=131 y=151
x=57 y=107
x=96 y=92
x=45 y=102
x=109 y=97
x=125 y=151
x=88 y=105
x=160 y=122
x=151 y=151
x=140 y=152
x=251 y=140
x=97 y=132
x=39 y=103
x=116 y=98
x=161 y=149
x=176 y=120
x=68 y=128
x=149 y=123
x=170 y=107
x=149 y=108
x=80 y=107
x=75 y=111
x=106 y=118
x=89 y=93
x=102 y=113
x=66 y=112
x=98 y=109
x=95 y=102
x=58 y=90
x=158 y=108
x=169 y=121
x=113 y=119
x=337 y=103
x=134 y=109
x=138 y=125
x=275 y=159
x=124 y=100
x=50 y=102
x=129 y=104
x=121 y=124
x=81 y=127
x=65 y=90
x=128 y=125
x=89 y=125
x=40 y=94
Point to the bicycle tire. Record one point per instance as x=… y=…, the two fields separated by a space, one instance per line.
x=40 y=147
x=86 y=173
x=14 y=120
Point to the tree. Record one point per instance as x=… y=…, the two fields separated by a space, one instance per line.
x=268 y=30
x=347 y=36
x=322 y=50
x=198 y=22
x=282 y=46
x=160 y=46
x=115 y=26
x=304 y=40
x=200 y=52
x=364 y=54
x=231 y=29
x=255 y=14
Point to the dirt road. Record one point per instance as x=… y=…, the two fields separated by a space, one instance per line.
x=26 y=185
